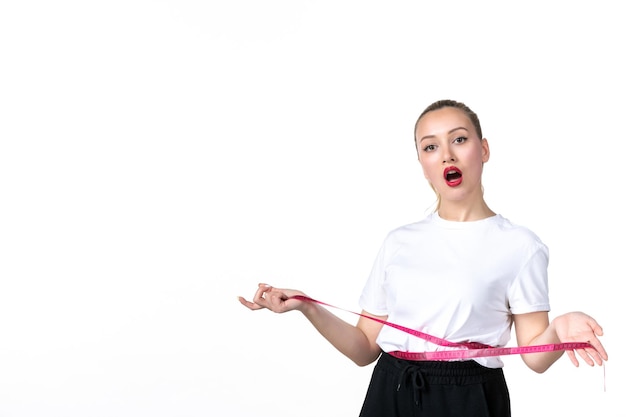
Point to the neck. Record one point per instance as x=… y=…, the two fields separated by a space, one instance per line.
x=463 y=213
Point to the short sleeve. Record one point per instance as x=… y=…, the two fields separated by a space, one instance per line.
x=529 y=291
x=373 y=297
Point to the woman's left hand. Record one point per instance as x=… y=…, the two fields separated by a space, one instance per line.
x=580 y=327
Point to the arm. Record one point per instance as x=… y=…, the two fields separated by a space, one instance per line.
x=535 y=329
x=356 y=342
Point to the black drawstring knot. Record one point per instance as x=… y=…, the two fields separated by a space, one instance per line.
x=413 y=375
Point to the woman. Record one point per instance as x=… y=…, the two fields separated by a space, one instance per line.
x=463 y=274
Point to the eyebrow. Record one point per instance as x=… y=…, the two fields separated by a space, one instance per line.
x=451 y=131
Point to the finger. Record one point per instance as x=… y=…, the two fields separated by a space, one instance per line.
x=597 y=359
x=584 y=355
x=599 y=349
x=572 y=357
x=596 y=355
x=259 y=295
x=275 y=300
x=249 y=304
x=598 y=330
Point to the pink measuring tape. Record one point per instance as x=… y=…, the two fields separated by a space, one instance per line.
x=469 y=349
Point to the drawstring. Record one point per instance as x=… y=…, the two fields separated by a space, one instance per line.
x=412 y=374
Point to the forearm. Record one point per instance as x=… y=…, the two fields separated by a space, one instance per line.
x=540 y=362
x=347 y=338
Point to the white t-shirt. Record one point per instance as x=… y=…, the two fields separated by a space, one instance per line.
x=459 y=281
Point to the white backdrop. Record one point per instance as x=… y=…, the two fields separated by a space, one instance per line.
x=160 y=158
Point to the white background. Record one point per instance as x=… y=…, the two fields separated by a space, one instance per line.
x=160 y=158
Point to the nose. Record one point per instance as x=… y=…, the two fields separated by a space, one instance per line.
x=448 y=157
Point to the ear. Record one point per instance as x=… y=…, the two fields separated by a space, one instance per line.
x=486 y=152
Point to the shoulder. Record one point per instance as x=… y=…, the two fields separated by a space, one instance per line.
x=519 y=233
x=408 y=230
x=507 y=225
x=407 y=236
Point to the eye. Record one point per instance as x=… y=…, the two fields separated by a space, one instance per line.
x=460 y=139
x=428 y=148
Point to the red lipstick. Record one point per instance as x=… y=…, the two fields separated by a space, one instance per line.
x=453 y=176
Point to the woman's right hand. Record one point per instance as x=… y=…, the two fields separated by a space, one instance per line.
x=274 y=299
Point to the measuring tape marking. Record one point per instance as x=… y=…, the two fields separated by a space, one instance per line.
x=472 y=349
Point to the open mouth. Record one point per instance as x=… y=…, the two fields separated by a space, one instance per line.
x=453 y=176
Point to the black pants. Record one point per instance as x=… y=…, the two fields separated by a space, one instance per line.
x=401 y=388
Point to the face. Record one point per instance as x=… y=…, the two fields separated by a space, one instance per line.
x=451 y=153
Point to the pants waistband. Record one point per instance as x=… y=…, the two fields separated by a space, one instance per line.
x=442 y=372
